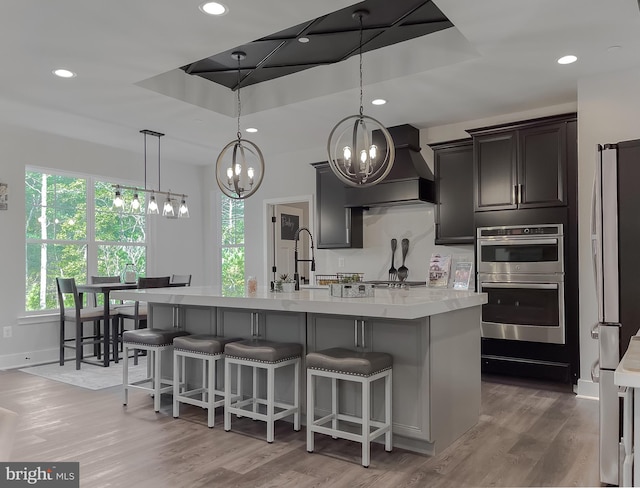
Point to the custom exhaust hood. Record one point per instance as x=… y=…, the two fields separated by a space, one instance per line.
x=409 y=182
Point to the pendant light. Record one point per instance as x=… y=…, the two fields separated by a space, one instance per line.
x=170 y=207
x=240 y=175
x=361 y=150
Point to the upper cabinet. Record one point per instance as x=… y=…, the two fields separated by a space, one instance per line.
x=522 y=165
x=337 y=227
x=453 y=172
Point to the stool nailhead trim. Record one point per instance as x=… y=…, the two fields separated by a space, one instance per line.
x=348 y=372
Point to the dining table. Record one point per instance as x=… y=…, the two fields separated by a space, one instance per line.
x=104 y=289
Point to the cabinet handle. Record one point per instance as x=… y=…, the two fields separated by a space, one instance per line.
x=520 y=189
x=347 y=219
x=255 y=326
x=362 y=328
x=355 y=333
x=514 y=194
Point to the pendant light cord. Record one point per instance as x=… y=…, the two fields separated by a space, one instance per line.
x=145 y=160
x=238 y=97
x=361 y=109
x=159 y=164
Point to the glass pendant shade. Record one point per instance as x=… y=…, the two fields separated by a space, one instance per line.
x=135 y=203
x=167 y=209
x=183 y=211
x=361 y=151
x=152 y=209
x=118 y=202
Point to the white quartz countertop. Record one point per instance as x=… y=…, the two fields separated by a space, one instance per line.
x=412 y=303
x=628 y=371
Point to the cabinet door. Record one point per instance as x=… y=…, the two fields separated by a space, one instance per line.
x=337 y=226
x=453 y=164
x=542 y=166
x=495 y=171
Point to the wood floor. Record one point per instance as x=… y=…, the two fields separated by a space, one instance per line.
x=529 y=434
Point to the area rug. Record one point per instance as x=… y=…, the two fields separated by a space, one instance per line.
x=90 y=376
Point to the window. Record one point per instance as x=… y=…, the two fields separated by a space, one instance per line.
x=72 y=231
x=232 y=245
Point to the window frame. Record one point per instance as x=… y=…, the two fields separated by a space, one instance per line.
x=92 y=245
x=220 y=233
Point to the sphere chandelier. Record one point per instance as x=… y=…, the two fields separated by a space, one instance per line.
x=240 y=164
x=361 y=150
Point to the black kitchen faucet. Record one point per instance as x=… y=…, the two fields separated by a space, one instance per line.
x=296 y=238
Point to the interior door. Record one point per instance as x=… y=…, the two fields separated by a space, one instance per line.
x=288 y=220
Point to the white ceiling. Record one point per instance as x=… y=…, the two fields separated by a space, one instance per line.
x=500 y=58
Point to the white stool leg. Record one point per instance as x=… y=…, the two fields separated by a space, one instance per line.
x=255 y=388
x=125 y=376
x=176 y=383
x=387 y=411
x=366 y=417
x=310 y=408
x=227 y=394
x=296 y=396
x=211 y=396
x=270 y=400
x=334 y=405
x=156 y=380
x=239 y=383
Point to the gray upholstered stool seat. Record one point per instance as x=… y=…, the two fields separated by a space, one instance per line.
x=203 y=343
x=208 y=349
x=152 y=337
x=154 y=341
x=349 y=362
x=263 y=351
x=270 y=356
x=338 y=364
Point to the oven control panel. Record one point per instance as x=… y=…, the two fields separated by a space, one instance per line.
x=521 y=230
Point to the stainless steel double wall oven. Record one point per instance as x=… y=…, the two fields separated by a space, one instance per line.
x=521 y=268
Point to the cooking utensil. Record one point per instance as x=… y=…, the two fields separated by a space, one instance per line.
x=403 y=271
x=393 y=273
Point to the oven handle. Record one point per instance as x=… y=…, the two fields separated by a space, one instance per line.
x=533 y=286
x=516 y=242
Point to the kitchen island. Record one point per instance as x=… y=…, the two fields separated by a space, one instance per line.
x=433 y=335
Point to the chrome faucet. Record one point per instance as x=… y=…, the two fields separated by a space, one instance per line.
x=296 y=238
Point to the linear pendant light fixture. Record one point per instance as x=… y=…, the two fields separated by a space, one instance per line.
x=171 y=208
x=354 y=156
x=239 y=176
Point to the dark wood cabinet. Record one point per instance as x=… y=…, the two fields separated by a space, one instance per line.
x=453 y=173
x=522 y=165
x=336 y=226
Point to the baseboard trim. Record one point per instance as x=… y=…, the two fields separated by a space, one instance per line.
x=25 y=359
x=588 y=389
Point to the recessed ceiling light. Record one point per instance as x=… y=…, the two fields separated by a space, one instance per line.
x=251 y=129
x=213 y=8
x=303 y=40
x=379 y=101
x=614 y=48
x=570 y=58
x=64 y=73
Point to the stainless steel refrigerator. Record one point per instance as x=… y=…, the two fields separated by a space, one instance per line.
x=615 y=237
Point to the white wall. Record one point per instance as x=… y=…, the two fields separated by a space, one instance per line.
x=609 y=108
x=175 y=246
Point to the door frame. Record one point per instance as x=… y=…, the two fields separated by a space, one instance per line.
x=268 y=204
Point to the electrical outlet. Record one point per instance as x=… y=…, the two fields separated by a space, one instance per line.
x=340 y=262
x=7 y=331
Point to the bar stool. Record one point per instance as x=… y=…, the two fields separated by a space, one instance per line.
x=154 y=341
x=358 y=367
x=209 y=349
x=270 y=356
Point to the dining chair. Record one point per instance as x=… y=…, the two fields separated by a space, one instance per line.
x=79 y=316
x=8 y=427
x=181 y=280
x=138 y=311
